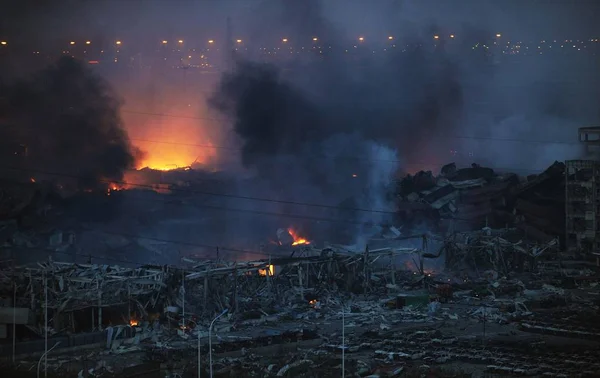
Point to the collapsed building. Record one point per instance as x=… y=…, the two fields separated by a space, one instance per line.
x=505 y=260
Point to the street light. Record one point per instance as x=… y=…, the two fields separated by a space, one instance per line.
x=72 y=43
x=211 y=41
x=451 y=35
x=361 y=38
x=436 y=37
x=198 y=329
x=118 y=42
x=390 y=38
x=284 y=40
x=88 y=42
x=180 y=41
x=40 y=361
x=210 y=340
x=498 y=35
x=239 y=41
x=3 y=43
x=164 y=42
x=315 y=39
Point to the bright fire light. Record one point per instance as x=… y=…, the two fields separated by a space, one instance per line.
x=171 y=143
x=269 y=269
x=134 y=322
x=298 y=240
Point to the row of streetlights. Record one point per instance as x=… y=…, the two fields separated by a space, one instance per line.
x=284 y=40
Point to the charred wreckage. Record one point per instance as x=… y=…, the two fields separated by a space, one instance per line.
x=508 y=278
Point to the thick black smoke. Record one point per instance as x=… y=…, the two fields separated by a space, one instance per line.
x=65 y=119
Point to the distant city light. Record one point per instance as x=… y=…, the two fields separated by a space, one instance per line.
x=3 y=43
x=498 y=35
x=451 y=35
x=284 y=40
x=180 y=41
x=87 y=42
x=239 y=41
x=164 y=42
x=315 y=39
x=390 y=37
x=118 y=42
x=72 y=42
x=436 y=37
x=209 y=41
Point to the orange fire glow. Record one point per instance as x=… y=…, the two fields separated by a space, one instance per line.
x=270 y=270
x=134 y=322
x=298 y=240
x=171 y=143
x=165 y=156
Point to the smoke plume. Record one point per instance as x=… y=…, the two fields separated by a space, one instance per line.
x=66 y=120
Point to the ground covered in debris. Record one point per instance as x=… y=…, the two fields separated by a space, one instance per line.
x=494 y=325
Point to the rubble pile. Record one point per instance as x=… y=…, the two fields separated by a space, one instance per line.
x=501 y=313
x=492 y=291
x=476 y=197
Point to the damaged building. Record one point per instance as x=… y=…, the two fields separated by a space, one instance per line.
x=502 y=277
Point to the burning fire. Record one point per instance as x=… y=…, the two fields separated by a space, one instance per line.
x=134 y=322
x=269 y=270
x=170 y=143
x=298 y=240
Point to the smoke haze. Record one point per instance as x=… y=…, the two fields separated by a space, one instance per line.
x=334 y=126
x=67 y=121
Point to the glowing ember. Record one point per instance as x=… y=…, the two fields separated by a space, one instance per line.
x=270 y=270
x=312 y=302
x=134 y=322
x=298 y=240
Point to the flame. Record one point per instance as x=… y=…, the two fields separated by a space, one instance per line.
x=312 y=302
x=270 y=270
x=134 y=322
x=298 y=240
x=170 y=143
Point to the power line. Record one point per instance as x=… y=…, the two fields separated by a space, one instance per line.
x=255 y=212
x=442 y=135
x=223 y=195
x=233 y=196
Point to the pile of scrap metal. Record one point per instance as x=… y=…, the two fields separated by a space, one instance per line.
x=477 y=197
x=201 y=289
x=501 y=251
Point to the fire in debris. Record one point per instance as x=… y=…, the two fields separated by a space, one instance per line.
x=134 y=322
x=270 y=270
x=298 y=240
x=170 y=143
